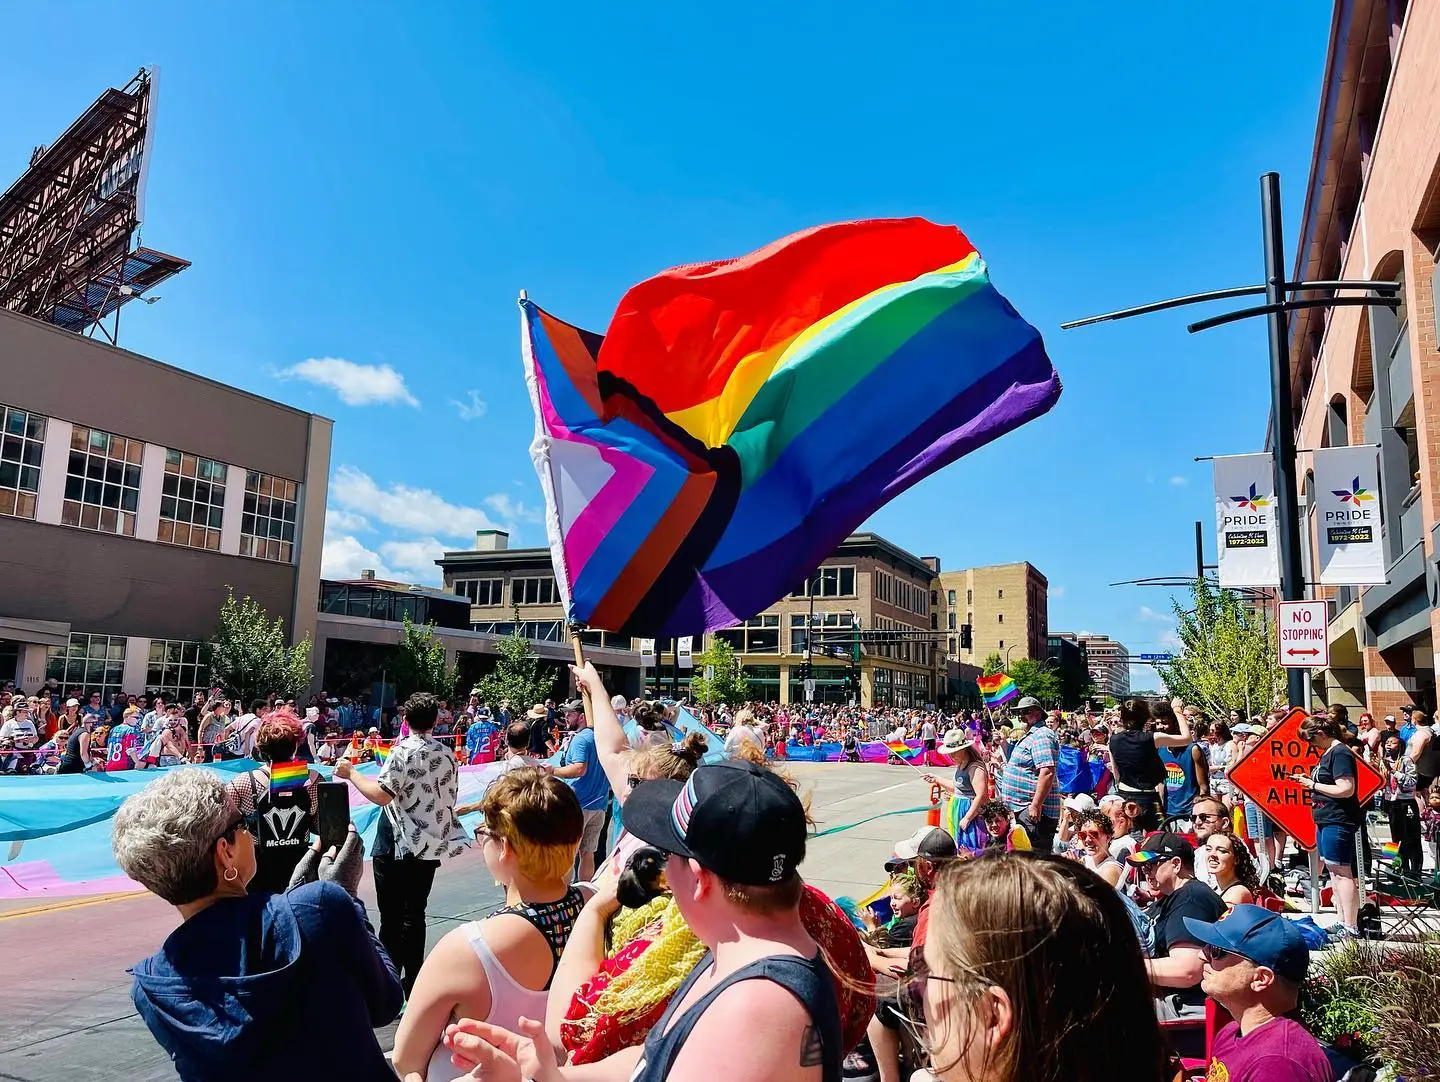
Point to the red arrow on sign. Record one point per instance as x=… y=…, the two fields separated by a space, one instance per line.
x=1293 y=652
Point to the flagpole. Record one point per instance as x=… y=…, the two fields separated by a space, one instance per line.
x=579 y=648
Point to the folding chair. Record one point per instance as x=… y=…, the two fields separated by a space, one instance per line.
x=1411 y=905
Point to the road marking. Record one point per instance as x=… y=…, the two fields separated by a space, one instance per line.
x=70 y=903
x=858 y=796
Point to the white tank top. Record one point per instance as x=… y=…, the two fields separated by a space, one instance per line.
x=508 y=1002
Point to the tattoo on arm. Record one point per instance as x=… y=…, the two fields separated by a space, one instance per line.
x=811 y=1050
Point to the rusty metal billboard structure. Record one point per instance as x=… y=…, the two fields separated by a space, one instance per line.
x=68 y=224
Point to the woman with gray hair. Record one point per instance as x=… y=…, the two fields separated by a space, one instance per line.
x=221 y=995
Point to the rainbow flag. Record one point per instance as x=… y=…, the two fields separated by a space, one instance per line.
x=382 y=751
x=1390 y=851
x=291 y=775
x=903 y=750
x=998 y=689
x=740 y=418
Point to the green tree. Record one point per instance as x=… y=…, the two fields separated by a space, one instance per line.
x=1227 y=657
x=1035 y=679
x=719 y=677
x=248 y=656
x=420 y=663
x=993 y=664
x=518 y=677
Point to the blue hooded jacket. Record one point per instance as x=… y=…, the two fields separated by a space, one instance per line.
x=241 y=989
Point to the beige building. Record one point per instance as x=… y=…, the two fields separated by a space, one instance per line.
x=1370 y=375
x=870 y=594
x=1109 y=663
x=1006 y=606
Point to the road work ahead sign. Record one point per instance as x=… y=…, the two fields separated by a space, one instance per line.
x=1263 y=774
x=1304 y=635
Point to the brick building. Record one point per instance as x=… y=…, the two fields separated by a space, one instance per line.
x=1006 y=606
x=1369 y=376
x=867 y=581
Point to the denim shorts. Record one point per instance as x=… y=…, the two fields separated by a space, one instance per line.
x=1336 y=844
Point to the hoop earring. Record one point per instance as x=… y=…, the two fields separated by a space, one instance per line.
x=231 y=874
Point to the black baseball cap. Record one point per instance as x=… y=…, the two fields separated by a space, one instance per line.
x=1163 y=846
x=735 y=819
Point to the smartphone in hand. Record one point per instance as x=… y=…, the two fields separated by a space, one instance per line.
x=334 y=800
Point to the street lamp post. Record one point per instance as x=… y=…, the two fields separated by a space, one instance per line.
x=1281 y=298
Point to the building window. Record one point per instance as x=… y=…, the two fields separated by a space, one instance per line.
x=102 y=484
x=969 y=597
x=543 y=630
x=22 y=441
x=999 y=593
x=952 y=644
x=538 y=591
x=481 y=591
x=90 y=663
x=999 y=617
x=267 y=527
x=950 y=597
x=192 y=501
x=828 y=582
x=175 y=668
x=951 y=619
x=1002 y=644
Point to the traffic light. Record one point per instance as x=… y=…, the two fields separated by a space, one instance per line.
x=967 y=637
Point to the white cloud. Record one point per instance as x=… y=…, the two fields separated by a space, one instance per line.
x=1176 y=479
x=1149 y=615
x=472 y=410
x=513 y=510
x=415 y=559
x=339 y=522
x=356 y=384
x=1171 y=639
x=1057 y=591
x=343 y=557
x=414 y=510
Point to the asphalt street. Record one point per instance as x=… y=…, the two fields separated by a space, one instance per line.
x=65 y=1010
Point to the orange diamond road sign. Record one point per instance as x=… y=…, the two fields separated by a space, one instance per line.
x=1263 y=774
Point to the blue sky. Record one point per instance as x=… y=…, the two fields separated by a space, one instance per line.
x=363 y=188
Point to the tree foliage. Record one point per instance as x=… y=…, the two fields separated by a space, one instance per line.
x=725 y=682
x=420 y=663
x=1227 y=659
x=993 y=663
x=248 y=656
x=1035 y=679
x=519 y=676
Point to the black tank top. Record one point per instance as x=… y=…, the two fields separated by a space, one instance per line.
x=70 y=762
x=554 y=920
x=1137 y=763
x=1428 y=762
x=807 y=979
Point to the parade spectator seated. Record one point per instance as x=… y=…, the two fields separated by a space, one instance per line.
x=1255 y=963
x=18 y=737
x=1004 y=833
x=907 y=897
x=1032 y=971
x=1125 y=838
x=1093 y=831
x=1231 y=869
x=1167 y=862
x=231 y=993
x=499 y=969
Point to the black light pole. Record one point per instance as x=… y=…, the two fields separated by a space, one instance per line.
x=1282 y=407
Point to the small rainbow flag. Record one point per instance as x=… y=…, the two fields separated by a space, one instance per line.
x=291 y=775
x=1390 y=851
x=902 y=749
x=998 y=689
x=382 y=752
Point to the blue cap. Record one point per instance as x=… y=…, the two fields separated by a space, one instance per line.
x=1265 y=938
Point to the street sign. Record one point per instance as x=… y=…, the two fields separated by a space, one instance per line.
x=809 y=689
x=1304 y=635
x=1263 y=774
x=1157 y=657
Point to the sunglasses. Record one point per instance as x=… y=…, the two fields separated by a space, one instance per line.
x=634 y=781
x=910 y=995
x=1091 y=835
x=1215 y=954
x=249 y=823
x=1209 y=815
